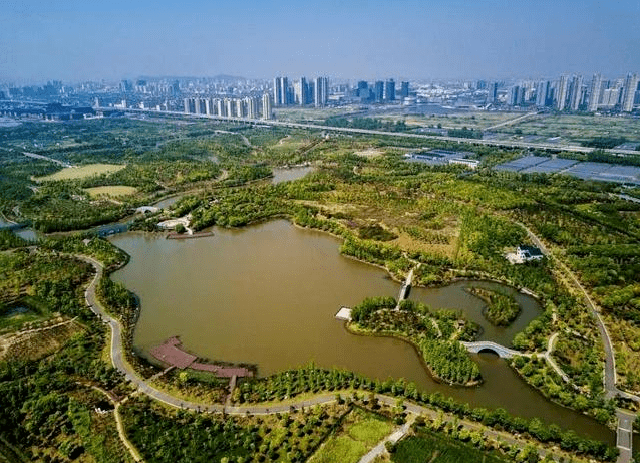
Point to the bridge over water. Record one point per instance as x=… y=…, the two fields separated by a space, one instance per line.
x=479 y=346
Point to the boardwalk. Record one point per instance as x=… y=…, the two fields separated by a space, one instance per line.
x=170 y=353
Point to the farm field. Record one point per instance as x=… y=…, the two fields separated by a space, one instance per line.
x=577 y=128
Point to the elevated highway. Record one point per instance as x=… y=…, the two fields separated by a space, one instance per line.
x=295 y=125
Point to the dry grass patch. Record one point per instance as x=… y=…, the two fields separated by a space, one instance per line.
x=113 y=191
x=71 y=173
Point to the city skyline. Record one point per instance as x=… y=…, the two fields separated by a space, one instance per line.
x=76 y=41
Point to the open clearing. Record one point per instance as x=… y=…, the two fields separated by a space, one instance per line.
x=360 y=432
x=113 y=191
x=71 y=173
x=36 y=343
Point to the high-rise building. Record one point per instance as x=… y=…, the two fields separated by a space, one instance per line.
x=281 y=91
x=301 y=91
x=321 y=91
x=561 y=93
x=404 y=89
x=516 y=96
x=378 y=91
x=126 y=86
x=594 y=94
x=493 y=93
x=175 y=88
x=629 y=91
x=610 y=97
x=390 y=90
x=542 y=93
x=575 y=93
x=229 y=109
x=240 y=113
x=220 y=108
x=267 y=111
x=251 y=107
x=190 y=105
x=277 y=91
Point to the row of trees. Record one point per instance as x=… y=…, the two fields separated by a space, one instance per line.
x=294 y=382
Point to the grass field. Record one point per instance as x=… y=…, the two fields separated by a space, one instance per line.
x=297 y=114
x=113 y=191
x=360 y=432
x=577 y=128
x=477 y=120
x=71 y=173
x=433 y=448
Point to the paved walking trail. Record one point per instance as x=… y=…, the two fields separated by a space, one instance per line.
x=119 y=362
x=394 y=437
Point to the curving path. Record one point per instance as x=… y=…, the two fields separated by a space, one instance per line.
x=625 y=418
x=119 y=362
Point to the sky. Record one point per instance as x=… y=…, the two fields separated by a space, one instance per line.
x=76 y=40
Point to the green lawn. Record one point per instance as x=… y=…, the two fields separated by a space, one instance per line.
x=360 y=432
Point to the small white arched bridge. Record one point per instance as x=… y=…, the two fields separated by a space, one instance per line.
x=479 y=346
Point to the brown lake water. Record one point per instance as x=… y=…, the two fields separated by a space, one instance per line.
x=267 y=295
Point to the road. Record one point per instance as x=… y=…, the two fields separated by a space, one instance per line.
x=44 y=158
x=610 y=379
x=295 y=125
x=511 y=121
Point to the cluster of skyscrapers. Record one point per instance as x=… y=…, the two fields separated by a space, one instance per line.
x=380 y=91
x=250 y=107
x=571 y=93
x=301 y=92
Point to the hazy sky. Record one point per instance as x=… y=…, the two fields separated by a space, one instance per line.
x=74 y=40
